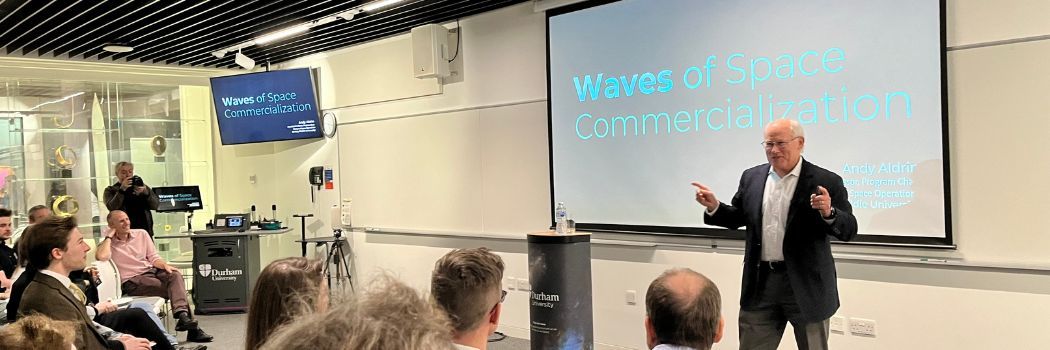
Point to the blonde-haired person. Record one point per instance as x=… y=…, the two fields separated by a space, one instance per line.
x=37 y=332
x=285 y=290
x=388 y=316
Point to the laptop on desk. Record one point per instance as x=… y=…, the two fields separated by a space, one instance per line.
x=228 y=223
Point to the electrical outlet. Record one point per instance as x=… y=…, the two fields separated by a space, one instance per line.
x=630 y=297
x=523 y=284
x=838 y=324
x=862 y=327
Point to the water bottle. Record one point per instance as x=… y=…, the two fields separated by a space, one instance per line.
x=561 y=219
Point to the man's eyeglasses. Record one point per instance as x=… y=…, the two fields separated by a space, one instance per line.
x=777 y=144
x=502 y=296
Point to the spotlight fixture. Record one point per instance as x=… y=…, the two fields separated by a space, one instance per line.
x=348 y=15
x=117 y=48
x=244 y=61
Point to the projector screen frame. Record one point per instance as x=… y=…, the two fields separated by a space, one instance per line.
x=739 y=234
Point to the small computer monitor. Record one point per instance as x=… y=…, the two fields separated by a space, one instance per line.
x=235 y=221
x=178 y=198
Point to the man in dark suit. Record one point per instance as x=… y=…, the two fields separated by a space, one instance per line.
x=791 y=208
x=8 y=258
x=54 y=248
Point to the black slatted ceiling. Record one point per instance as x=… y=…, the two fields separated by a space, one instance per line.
x=185 y=32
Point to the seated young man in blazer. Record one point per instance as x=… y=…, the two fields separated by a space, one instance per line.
x=53 y=249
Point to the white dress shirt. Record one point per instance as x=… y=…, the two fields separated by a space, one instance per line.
x=64 y=280
x=776 y=200
x=671 y=347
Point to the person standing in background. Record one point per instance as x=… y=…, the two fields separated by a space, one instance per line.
x=131 y=195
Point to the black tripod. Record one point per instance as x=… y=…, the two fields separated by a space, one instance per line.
x=338 y=241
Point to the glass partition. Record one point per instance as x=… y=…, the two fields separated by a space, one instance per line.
x=64 y=137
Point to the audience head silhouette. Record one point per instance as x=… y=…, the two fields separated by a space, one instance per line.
x=286 y=289
x=683 y=308
x=466 y=283
x=388 y=316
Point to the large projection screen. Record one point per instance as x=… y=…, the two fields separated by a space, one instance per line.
x=647 y=96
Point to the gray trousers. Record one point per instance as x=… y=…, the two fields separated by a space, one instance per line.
x=762 y=324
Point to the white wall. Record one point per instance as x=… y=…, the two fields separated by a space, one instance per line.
x=998 y=118
x=280 y=177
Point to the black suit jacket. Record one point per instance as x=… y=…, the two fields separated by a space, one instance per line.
x=807 y=248
x=47 y=296
x=137 y=206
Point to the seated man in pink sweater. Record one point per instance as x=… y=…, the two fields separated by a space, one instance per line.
x=144 y=273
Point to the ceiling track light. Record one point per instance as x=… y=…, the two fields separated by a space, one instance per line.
x=375 y=5
x=117 y=48
x=283 y=33
x=302 y=28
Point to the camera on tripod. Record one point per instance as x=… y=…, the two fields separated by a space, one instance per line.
x=337 y=256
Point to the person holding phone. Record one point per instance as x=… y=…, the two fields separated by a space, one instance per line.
x=132 y=196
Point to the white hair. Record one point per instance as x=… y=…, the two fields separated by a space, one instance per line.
x=796 y=127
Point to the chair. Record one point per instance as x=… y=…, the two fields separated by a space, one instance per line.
x=186 y=268
x=110 y=289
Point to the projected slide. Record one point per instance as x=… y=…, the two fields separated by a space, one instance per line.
x=647 y=96
x=269 y=106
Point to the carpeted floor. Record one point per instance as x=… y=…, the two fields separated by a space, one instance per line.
x=227 y=329
x=229 y=334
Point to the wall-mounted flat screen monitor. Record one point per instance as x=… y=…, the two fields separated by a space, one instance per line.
x=266 y=106
x=179 y=198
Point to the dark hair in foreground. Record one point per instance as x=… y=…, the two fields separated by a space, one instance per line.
x=36 y=244
x=389 y=316
x=286 y=289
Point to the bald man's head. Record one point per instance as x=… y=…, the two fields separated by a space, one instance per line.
x=683 y=308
